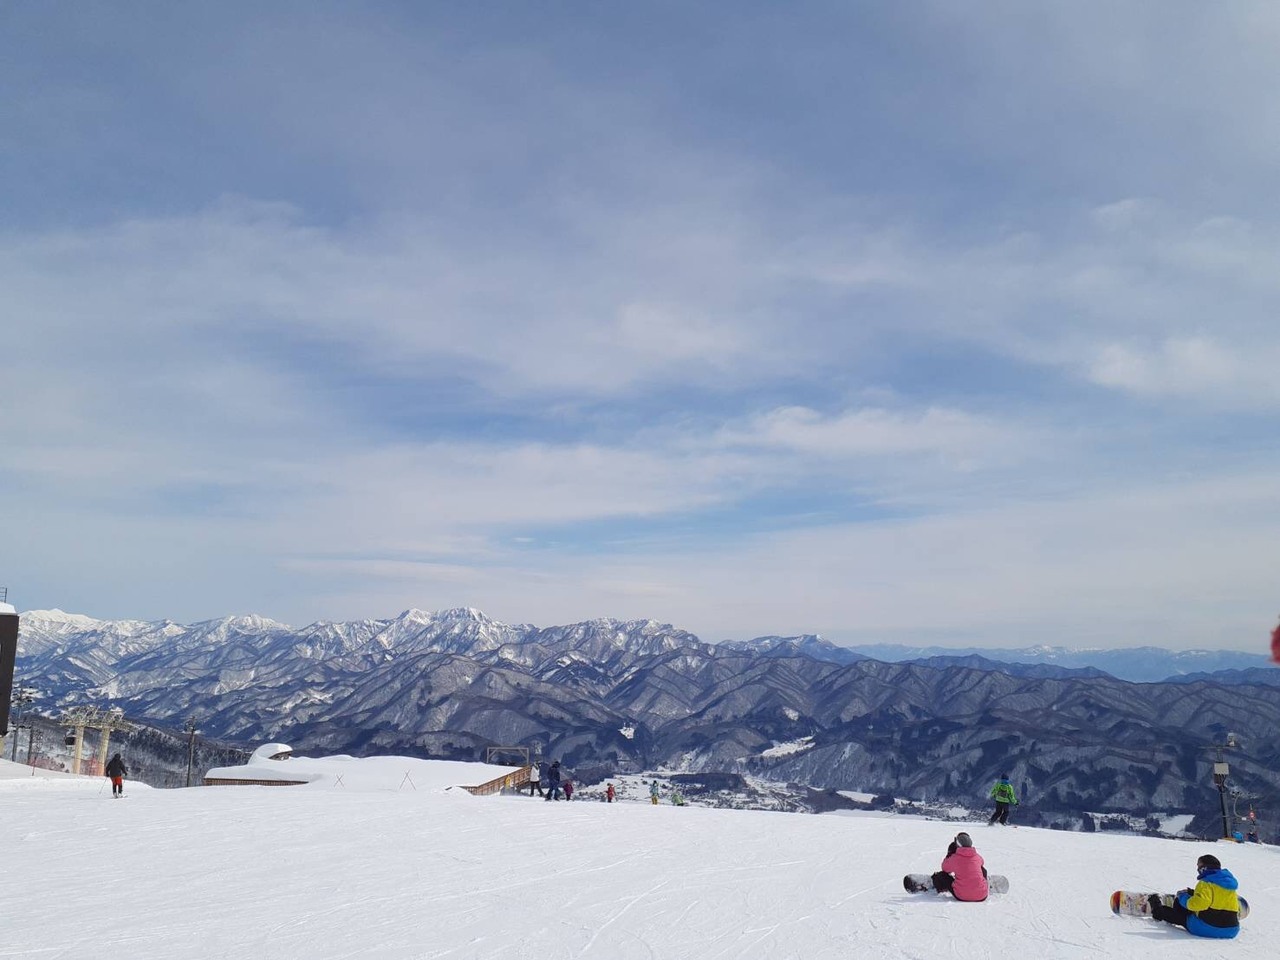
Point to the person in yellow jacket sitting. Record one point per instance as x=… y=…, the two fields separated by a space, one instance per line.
x=1212 y=909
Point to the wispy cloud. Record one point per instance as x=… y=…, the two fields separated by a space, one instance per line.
x=862 y=321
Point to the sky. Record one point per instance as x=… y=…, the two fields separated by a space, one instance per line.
x=375 y=870
x=914 y=323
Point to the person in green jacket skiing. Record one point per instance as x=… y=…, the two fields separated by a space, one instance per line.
x=1002 y=793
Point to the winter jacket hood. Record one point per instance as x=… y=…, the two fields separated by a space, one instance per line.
x=1214 y=905
x=1221 y=877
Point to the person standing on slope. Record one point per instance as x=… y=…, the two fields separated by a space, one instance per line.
x=610 y=793
x=1212 y=909
x=1002 y=793
x=117 y=771
x=963 y=874
x=553 y=781
x=653 y=793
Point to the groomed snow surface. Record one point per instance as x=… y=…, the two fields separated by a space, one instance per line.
x=376 y=868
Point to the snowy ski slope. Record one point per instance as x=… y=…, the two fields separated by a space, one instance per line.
x=374 y=870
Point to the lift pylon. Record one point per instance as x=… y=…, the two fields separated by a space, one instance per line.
x=80 y=719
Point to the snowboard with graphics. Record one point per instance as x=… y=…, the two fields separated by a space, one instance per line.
x=1131 y=903
x=923 y=883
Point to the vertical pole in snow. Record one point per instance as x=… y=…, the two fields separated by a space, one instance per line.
x=191 y=746
x=75 y=757
x=1220 y=773
x=8 y=654
x=104 y=745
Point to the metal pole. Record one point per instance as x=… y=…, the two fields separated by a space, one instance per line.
x=75 y=757
x=1221 y=771
x=24 y=696
x=8 y=654
x=104 y=745
x=191 y=746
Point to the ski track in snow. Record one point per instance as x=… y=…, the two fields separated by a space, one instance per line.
x=324 y=874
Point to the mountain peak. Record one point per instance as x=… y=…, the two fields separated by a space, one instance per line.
x=464 y=613
x=249 y=622
x=453 y=614
x=61 y=616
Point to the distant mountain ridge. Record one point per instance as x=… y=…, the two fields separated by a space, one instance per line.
x=1139 y=664
x=641 y=694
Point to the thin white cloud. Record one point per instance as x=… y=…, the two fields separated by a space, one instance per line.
x=875 y=431
x=1196 y=367
x=514 y=295
x=1109 y=569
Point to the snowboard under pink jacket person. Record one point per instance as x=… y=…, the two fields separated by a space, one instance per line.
x=964 y=863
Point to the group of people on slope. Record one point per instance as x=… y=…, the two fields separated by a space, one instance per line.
x=655 y=794
x=1209 y=909
x=551 y=782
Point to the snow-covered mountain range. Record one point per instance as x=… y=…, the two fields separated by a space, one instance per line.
x=640 y=694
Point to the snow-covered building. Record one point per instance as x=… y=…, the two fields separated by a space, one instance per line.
x=266 y=767
x=274 y=765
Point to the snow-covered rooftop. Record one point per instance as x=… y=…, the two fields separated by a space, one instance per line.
x=360 y=773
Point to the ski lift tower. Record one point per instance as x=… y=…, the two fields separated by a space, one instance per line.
x=1221 y=772
x=491 y=752
x=76 y=720
x=109 y=720
x=80 y=719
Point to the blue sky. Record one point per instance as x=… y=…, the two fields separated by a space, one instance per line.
x=892 y=322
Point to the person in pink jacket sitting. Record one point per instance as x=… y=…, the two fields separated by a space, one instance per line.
x=962 y=874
